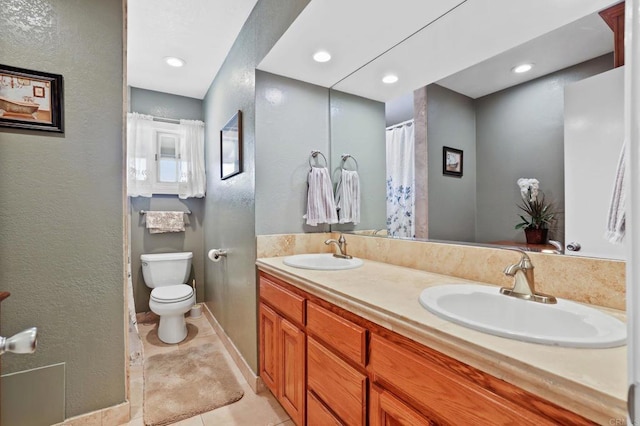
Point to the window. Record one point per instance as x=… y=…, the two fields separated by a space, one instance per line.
x=167 y=161
x=165 y=158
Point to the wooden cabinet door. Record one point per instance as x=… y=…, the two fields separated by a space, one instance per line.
x=292 y=370
x=387 y=410
x=269 y=324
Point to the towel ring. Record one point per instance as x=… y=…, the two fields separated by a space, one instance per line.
x=314 y=154
x=345 y=157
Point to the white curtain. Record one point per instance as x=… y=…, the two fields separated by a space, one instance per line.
x=140 y=154
x=193 y=180
x=401 y=181
x=142 y=165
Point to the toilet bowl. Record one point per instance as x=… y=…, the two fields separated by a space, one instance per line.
x=171 y=298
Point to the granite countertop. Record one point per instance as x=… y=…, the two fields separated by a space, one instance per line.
x=591 y=382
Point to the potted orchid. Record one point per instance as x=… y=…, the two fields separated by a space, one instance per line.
x=539 y=213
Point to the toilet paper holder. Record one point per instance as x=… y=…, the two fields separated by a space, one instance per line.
x=216 y=254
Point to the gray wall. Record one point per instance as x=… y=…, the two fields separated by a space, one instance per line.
x=164 y=105
x=520 y=134
x=167 y=106
x=358 y=128
x=451 y=121
x=292 y=119
x=230 y=285
x=399 y=109
x=61 y=201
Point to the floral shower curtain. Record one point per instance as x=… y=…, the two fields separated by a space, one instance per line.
x=401 y=180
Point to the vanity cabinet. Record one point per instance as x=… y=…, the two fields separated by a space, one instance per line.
x=282 y=347
x=359 y=373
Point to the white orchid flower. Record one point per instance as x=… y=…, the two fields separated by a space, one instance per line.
x=529 y=188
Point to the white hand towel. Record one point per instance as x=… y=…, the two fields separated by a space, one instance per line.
x=616 y=220
x=348 y=197
x=321 y=207
x=160 y=222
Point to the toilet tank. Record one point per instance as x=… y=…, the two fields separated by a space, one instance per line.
x=162 y=269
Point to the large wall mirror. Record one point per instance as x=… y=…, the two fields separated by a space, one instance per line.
x=507 y=125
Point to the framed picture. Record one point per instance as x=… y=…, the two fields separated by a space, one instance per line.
x=30 y=99
x=231 y=147
x=451 y=161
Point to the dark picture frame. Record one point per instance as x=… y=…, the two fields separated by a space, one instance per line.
x=31 y=99
x=231 y=147
x=452 y=161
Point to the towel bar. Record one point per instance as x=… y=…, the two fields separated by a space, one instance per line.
x=145 y=212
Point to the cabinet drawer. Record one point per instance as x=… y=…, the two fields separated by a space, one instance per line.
x=440 y=392
x=342 y=335
x=338 y=385
x=318 y=414
x=287 y=303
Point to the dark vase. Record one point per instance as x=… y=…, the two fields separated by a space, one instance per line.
x=536 y=236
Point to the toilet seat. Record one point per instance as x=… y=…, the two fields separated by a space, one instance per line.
x=171 y=293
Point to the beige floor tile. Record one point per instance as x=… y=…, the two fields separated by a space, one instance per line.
x=136 y=422
x=252 y=409
x=192 y=421
x=204 y=328
x=200 y=340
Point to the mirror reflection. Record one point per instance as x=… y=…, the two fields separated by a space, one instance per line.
x=504 y=126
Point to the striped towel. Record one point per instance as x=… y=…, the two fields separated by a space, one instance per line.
x=160 y=222
x=616 y=219
x=348 y=197
x=321 y=207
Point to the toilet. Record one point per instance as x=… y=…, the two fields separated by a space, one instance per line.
x=171 y=298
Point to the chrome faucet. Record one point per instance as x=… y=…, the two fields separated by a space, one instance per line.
x=558 y=247
x=524 y=284
x=341 y=243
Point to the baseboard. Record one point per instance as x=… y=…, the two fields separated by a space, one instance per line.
x=115 y=415
x=255 y=382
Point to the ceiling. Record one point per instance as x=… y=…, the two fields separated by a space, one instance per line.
x=422 y=41
x=426 y=41
x=201 y=32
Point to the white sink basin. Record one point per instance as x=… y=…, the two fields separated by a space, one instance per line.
x=321 y=261
x=563 y=324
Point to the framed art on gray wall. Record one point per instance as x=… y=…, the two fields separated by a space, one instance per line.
x=30 y=99
x=451 y=161
x=231 y=147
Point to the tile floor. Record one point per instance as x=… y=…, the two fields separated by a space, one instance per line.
x=251 y=410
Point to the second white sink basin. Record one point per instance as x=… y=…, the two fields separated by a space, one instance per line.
x=485 y=309
x=321 y=261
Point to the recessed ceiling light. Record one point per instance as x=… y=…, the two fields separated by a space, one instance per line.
x=173 y=61
x=389 y=78
x=522 y=68
x=322 y=56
